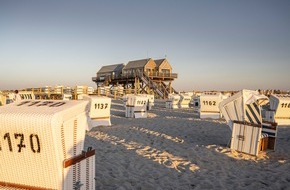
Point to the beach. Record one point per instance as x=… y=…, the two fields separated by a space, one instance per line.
x=174 y=149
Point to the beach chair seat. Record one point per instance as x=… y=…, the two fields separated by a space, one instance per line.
x=264 y=141
x=270 y=129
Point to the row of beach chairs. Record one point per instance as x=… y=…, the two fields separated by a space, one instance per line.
x=253 y=124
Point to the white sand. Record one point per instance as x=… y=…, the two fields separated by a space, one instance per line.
x=174 y=149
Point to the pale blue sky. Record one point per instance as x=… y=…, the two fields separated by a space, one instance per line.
x=211 y=44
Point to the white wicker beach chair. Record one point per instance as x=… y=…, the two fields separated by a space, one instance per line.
x=41 y=145
x=184 y=101
x=242 y=112
x=136 y=106
x=172 y=101
x=279 y=111
x=209 y=105
x=99 y=111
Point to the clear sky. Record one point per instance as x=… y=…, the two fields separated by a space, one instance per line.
x=211 y=44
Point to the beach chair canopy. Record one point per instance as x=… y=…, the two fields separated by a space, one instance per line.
x=243 y=106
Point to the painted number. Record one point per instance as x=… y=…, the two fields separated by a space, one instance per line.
x=21 y=139
x=101 y=106
x=209 y=103
x=34 y=143
x=285 y=105
x=7 y=137
x=43 y=103
x=19 y=142
x=141 y=102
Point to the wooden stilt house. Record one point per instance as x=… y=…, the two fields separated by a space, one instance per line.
x=145 y=76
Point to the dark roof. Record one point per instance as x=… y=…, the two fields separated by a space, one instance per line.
x=111 y=68
x=159 y=62
x=137 y=64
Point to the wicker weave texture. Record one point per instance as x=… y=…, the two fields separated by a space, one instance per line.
x=36 y=136
x=82 y=174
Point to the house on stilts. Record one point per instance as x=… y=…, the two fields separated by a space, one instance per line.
x=144 y=76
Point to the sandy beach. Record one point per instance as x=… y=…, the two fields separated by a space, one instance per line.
x=174 y=149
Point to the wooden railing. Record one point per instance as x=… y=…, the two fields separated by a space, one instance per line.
x=132 y=75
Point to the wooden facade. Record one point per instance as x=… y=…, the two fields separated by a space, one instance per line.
x=163 y=66
x=110 y=71
x=143 y=65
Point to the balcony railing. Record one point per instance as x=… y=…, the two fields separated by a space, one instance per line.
x=131 y=75
x=162 y=75
x=155 y=74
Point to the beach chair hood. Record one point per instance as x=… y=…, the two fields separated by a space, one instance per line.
x=238 y=107
x=255 y=97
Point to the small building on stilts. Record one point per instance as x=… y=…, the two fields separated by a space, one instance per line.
x=145 y=76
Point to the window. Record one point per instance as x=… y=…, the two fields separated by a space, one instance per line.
x=165 y=71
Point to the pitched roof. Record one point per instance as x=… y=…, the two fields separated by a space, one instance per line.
x=159 y=62
x=137 y=63
x=111 y=68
